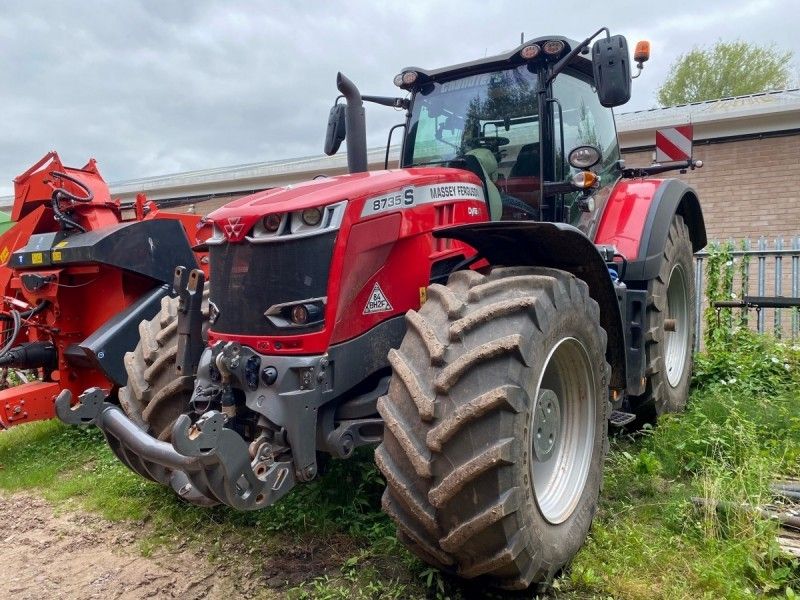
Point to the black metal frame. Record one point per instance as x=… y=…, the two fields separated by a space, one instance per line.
x=759 y=302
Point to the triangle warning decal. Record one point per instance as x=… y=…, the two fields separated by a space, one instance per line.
x=377 y=301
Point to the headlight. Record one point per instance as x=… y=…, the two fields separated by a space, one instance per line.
x=299 y=314
x=314 y=220
x=311 y=216
x=584 y=157
x=272 y=222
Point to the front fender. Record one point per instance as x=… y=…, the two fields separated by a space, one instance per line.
x=637 y=217
x=559 y=246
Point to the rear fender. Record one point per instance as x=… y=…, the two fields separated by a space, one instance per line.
x=637 y=217
x=558 y=246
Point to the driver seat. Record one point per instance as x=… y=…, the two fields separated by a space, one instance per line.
x=488 y=163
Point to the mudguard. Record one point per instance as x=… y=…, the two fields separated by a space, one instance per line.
x=559 y=246
x=637 y=217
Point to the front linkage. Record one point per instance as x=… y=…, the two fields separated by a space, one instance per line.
x=206 y=463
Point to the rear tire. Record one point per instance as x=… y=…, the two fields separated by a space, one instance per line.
x=668 y=354
x=155 y=395
x=470 y=489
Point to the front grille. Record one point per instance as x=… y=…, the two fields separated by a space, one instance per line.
x=246 y=279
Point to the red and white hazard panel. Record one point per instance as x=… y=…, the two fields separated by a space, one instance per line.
x=674 y=143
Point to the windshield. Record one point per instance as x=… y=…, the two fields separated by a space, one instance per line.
x=496 y=110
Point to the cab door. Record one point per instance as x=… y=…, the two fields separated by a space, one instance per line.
x=585 y=122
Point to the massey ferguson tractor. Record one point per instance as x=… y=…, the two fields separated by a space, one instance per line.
x=77 y=276
x=480 y=314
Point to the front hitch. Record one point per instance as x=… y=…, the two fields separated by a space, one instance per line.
x=227 y=469
x=207 y=464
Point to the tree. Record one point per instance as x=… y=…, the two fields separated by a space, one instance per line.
x=727 y=69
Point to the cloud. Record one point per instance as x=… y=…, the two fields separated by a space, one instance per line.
x=150 y=88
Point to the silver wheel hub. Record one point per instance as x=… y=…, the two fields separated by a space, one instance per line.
x=676 y=337
x=562 y=434
x=546 y=425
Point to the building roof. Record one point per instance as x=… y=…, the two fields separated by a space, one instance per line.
x=713 y=119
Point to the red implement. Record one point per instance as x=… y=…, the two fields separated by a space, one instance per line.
x=51 y=299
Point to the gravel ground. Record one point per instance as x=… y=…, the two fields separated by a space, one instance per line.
x=73 y=554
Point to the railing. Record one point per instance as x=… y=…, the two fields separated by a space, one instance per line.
x=772 y=279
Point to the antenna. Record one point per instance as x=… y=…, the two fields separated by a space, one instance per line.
x=522 y=37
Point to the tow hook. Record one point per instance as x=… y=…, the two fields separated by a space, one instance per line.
x=226 y=456
x=140 y=452
x=206 y=464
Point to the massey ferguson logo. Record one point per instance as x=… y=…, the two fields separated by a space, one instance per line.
x=233 y=227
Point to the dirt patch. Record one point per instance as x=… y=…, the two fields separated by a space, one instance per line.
x=303 y=561
x=78 y=555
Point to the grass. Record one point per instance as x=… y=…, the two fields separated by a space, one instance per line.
x=649 y=539
x=741 y=431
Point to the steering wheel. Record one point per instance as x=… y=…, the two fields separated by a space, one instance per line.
x=489 y=142
x=519 y=205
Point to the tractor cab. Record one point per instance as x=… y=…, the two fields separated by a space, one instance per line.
x=530 y=123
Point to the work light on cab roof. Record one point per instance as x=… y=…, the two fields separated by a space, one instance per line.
x=553 y=47
x=405 y=79
x=530 y=52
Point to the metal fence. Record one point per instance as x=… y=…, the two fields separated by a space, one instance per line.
x=777 y=273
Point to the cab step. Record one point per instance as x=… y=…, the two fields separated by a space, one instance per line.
x=618 y=418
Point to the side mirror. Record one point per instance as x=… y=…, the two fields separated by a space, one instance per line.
x=612 y=70
x=337 y=129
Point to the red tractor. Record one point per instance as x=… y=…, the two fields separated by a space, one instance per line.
x=77 y=277
x=479 y=313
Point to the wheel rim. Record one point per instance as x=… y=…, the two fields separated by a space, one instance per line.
x=678 y=313
x=563 y=430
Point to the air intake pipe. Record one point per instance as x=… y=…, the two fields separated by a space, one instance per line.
x=355 y=125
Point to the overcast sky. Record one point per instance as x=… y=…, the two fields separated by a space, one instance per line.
x=149 y=88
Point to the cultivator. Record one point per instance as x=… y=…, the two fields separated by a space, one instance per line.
x=77 y=277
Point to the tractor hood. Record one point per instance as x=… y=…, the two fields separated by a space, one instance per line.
x=328 y=190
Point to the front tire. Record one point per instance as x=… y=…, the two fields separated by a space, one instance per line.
x=155 y=395
x=496 y=425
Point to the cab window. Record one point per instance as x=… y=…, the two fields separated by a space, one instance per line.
x=586 y=122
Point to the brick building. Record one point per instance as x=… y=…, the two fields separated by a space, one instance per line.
x=750 y=146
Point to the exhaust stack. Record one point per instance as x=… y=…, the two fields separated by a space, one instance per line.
x=356 y=125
